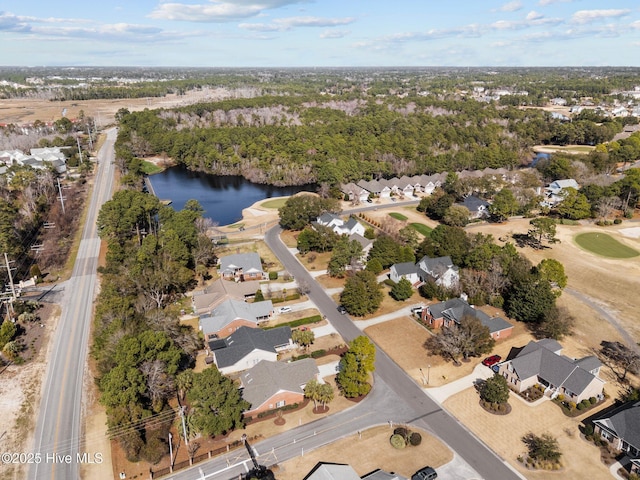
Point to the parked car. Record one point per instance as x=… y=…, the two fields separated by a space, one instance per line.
x=425 y=473
x=342 y=310
x=284 y=309
x=492 y=360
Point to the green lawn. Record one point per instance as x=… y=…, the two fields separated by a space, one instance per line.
x=275 y=203
x=398 y=216
x=605 y=245
x=422 y=228
x=150 y=168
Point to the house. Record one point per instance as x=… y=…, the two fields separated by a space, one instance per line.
x=337 y=471
x=231 y=314
x=376 y=188
x=408 y=270
x=354 y=192
x=451 y=312
x=542 y=363
x=270 y=385
x=246 y=347
x=554 y=192
x=440 y=269
x=242 y=267
x=203 y=301
x=621 y=428
x=477 y=207
x=366 y=244
x=339 y=226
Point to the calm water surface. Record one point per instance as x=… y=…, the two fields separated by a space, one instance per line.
x=222 y=197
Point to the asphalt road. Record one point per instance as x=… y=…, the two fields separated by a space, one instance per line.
x=59 y=426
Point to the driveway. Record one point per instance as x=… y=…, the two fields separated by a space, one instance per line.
x=440 y=394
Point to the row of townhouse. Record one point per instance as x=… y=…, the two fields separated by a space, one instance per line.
x=410 y=186
x=38 y=158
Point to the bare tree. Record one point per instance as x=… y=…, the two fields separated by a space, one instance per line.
x=160 y=385
x=606 y=206
x=621 y=359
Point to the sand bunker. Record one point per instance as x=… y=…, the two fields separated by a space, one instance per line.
x=631 y=232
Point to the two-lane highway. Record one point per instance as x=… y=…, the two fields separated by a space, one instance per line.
x=58 y=444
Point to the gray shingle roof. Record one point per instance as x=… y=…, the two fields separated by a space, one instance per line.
x=542 y=359
x=405 y=268
x=382 y=475
x=249 y=262
x=624 y=421
x=435 y=267
x=263 y=381
x=456 y=308
x=232 y=309
x=474 y=204
x=332 y=471
x=245 y=340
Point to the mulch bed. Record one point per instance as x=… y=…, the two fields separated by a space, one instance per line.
x=507 y=411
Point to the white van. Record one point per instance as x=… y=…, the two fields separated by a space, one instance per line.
x=284 y=309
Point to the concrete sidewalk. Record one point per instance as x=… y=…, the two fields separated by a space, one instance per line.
x=404 y=311
x=440 y=394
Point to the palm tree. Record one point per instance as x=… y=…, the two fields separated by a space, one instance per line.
x=325 y=394
x=312 y=391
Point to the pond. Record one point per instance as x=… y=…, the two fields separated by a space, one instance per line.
x=222 y=197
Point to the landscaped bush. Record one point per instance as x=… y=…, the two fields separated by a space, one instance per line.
x=397 y=441
x=617 y=221
x=299 y=322
x=588 y=429
x=580 y=406
x=401 y=431
x=593 y=400
x=318 y=353
x=415 y=439
x=273 y=275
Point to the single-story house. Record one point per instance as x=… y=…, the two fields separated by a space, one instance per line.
x=339 y=226
x=376 y=188
x=242 y=267
x=246 y=347
x=354 y=192
x=205 y=300
x=621 y=428
x=542 y=363
x=270 y=385
x=337 y=471
x=477 y=207
x=554 y=192
x=231 y=314
x=453 y=310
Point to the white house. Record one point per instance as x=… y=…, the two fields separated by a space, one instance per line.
x=339 y=226
x=441 y=270
x=408 y=270
x=553 y=193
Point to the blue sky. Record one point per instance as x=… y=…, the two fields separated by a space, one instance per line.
x=302 y=33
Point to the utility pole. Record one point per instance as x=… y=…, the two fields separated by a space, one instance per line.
x=13 y=288
x=79 y=149
x=61 y=197
x=184 y=427
x=170 y=453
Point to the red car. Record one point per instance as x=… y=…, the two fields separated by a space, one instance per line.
x=492 y=360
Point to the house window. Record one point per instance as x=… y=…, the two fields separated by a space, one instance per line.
x=281 y=403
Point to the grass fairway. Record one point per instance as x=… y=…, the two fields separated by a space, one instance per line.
x=398 y=216
x=275 y=203
x=604 y=245
x=422 y=228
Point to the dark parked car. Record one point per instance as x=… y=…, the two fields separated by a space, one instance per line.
x=425 y=473
x=342 y=310
x=492 y=360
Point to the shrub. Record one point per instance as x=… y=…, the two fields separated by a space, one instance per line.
x=273 y=275
x=561 y=398
x=585 y=403
x=617 y=221
x=415 y=439
x=580 y=406
x=401 y=431
x=593 y=400
x=572 y=405
x=318 y=353
x=397 y=441
x=588 y=429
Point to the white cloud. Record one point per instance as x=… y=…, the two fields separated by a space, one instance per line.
x=533 y=15
x=513 y=6
x=588 y=16
x=284 y=24
x=334 y=34
x=13 y=23
x=217 y=11
x=550 y=2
